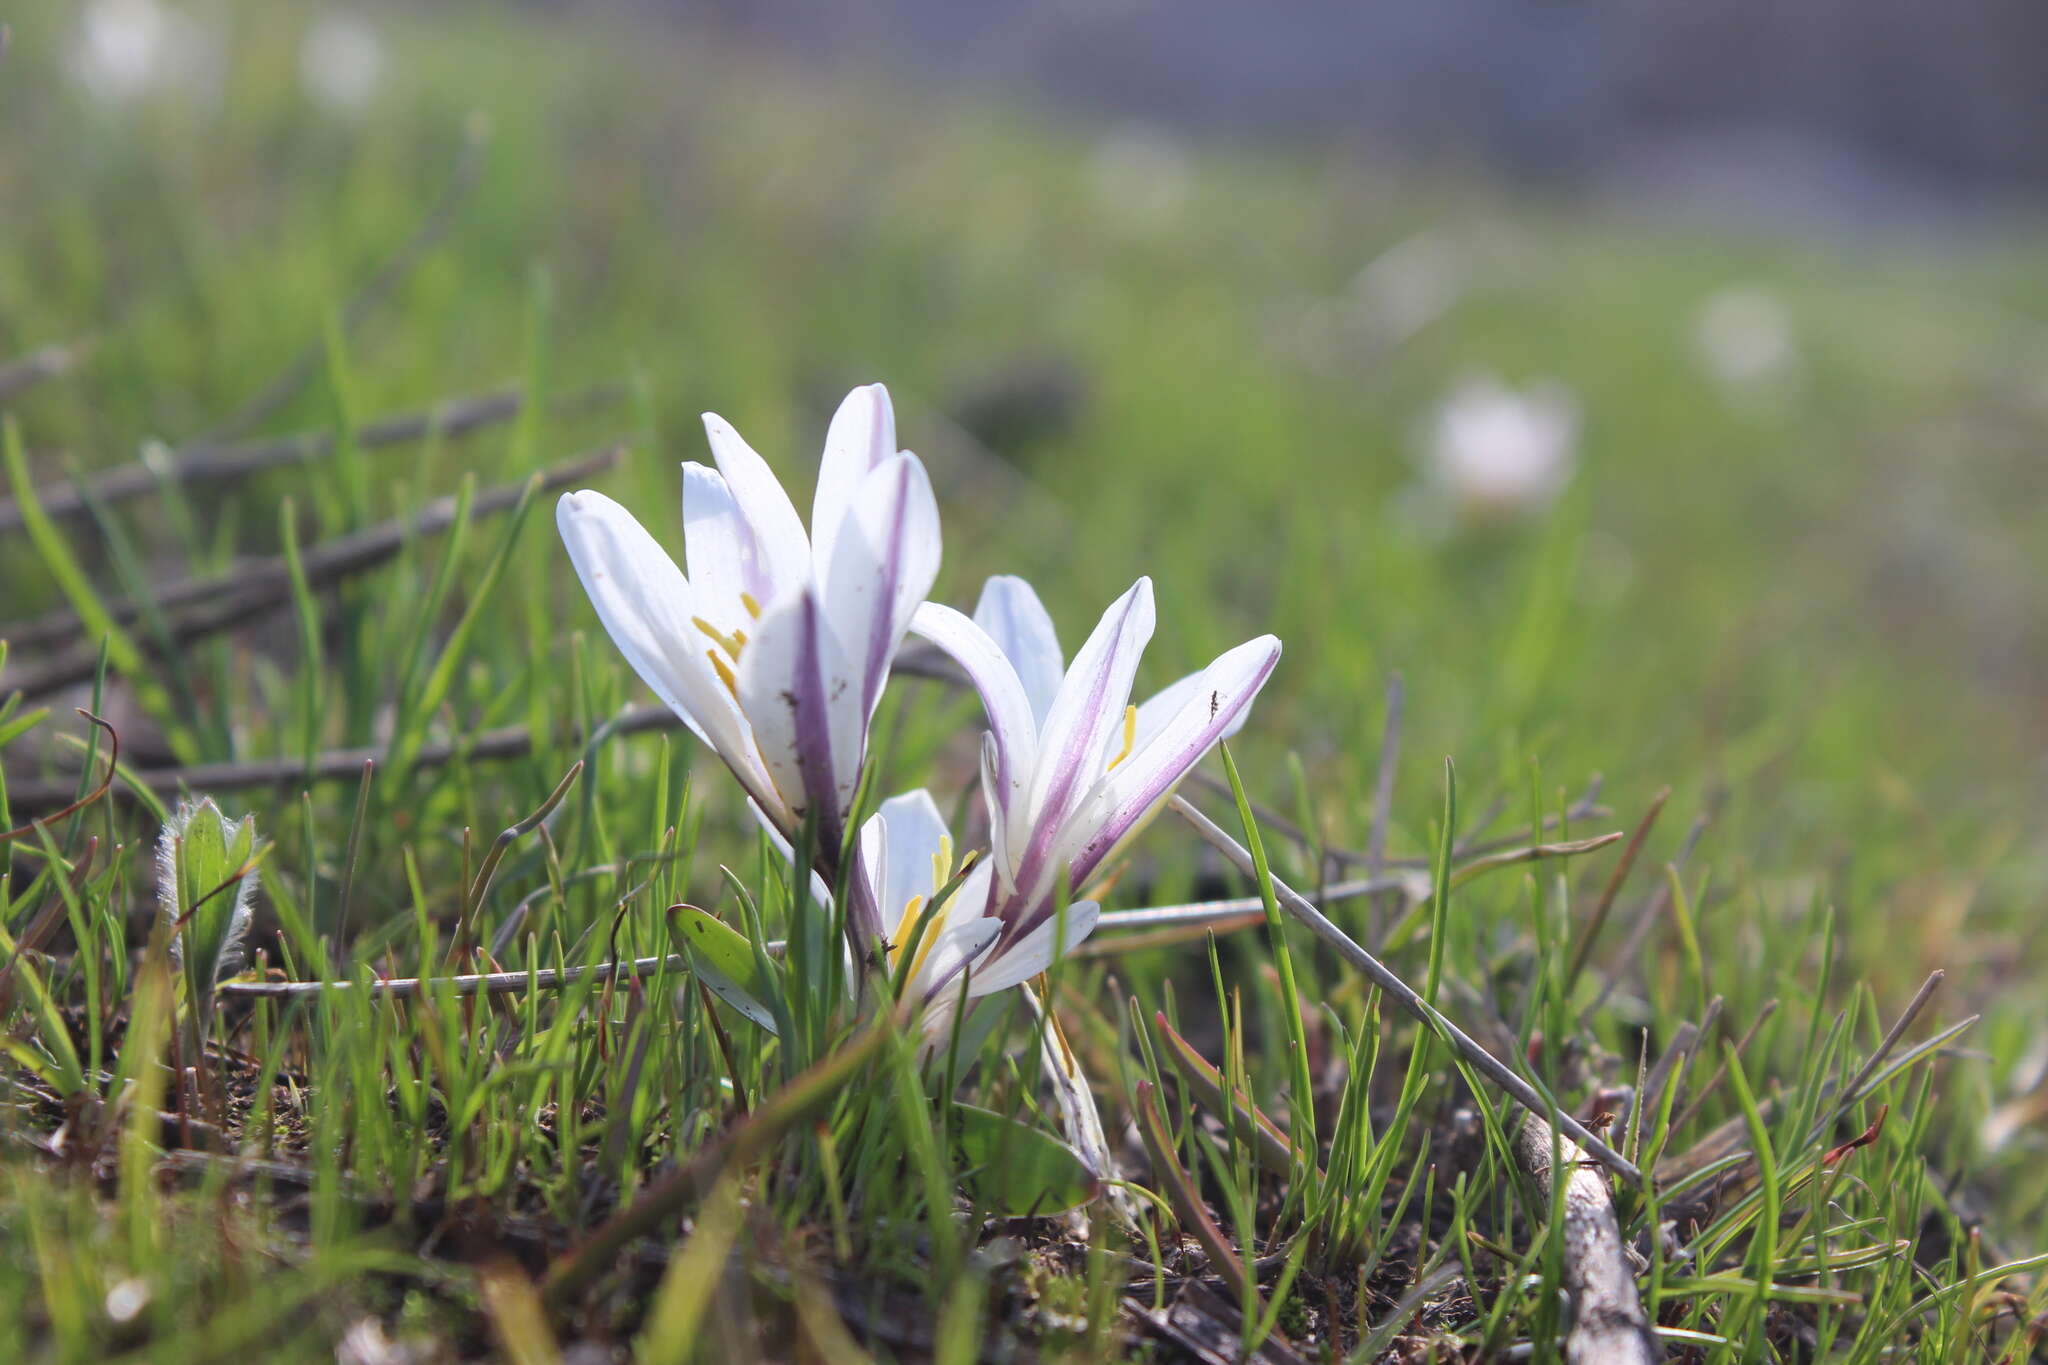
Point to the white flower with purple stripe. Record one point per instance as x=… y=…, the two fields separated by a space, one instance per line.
x=775 y=647
x=1071 y=771
x=907 y=863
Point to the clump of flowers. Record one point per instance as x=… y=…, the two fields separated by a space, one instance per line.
x=775 y=644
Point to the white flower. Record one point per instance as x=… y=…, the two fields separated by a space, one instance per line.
x=775 y=648
x=1496 y=452
x=341 y=62
x=906 y=864
x=127 y=48
x=1071 y=771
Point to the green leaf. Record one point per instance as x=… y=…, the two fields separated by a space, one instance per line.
x=1016 y=1169
x=725 y=961
x=206 y=881
x=18 y=726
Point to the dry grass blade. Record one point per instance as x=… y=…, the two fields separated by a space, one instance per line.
x=1653 y=909
x=223 y=604
x=1601 y=908
x=337 y=765
x=216 y=462
x=459 y=945
x=1684 y=1043
x=265 y=580
x=1475 y=1056
x=31 y=939
x=1187 y=1201
x=1281 y=825
x=1853 y=1091
x=72 y=806
x=1269 y=1144
x=478 y=983
x=1529 y=854
x=1694 y=1102
x=47 y=362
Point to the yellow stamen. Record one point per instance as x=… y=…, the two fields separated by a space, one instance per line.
x=753 y=606
x=924 y=947
x=732 y=644
x=904 y=927
x=725 y=674
x=1130 y=735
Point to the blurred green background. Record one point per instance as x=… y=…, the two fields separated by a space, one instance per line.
x=1798 y=572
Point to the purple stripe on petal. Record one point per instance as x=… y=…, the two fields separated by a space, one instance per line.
x=1155 y=771
x=811 y=709
x=1056 y=790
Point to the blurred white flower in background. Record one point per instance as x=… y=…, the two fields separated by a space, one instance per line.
x=1744 y=337
x=341 y=62
x=1140 y=178
x=126 y=49
x=1493 y=452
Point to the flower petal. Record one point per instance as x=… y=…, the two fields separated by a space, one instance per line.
x=801 y=695
x=1073 y=745
x=645 y=604
x=958 y=944
x=1032 y=954
x=718 y=545
x=1138 y=786
x=904 y=838
x=1010 y=726
x=778 y=531
x=862 y=435
x=1162 y=706
x=1009 y=610
x=884 y=558
x=969 y=905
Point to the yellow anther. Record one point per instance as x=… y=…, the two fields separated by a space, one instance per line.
x=725 y=674
x=904 y=927
x=924 y=947
x=1130 y=735
x=753 y=606
x=732 y=644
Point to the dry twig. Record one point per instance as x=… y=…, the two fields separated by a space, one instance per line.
x=220 y=604
x=48 y=362
x=214 y=462
x=1608 y=1326
x=1475 y=1056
